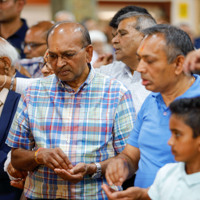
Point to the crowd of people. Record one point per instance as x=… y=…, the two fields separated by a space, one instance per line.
x=80 y=121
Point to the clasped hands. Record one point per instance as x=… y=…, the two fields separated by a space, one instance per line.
x=56 y=160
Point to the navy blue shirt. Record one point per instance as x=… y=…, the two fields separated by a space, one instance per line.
x=151 y=133
x=17 y=38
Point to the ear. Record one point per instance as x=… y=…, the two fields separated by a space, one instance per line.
x=7 y=65
x=89 y=53
x=179 y=64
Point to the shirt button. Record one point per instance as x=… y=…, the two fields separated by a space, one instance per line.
x=165 y=113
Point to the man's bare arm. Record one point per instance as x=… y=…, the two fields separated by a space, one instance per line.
x=22 y=159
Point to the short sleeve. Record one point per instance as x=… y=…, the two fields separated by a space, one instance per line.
x=124 y=121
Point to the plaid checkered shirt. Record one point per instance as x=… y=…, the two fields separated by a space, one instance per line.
x=89 y=125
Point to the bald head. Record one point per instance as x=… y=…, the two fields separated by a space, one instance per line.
x=35 y=39
x=68 y=28
x=70 y=52
x=43 y=26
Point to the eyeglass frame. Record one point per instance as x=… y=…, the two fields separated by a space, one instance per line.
x=42 y=64
x=32 y=45
x=67 y=56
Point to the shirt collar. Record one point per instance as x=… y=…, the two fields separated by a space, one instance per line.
x=190 y=179
x=87 y=81
x=187 y=93
x=22 y=31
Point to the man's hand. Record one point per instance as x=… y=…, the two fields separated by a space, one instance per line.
x=16 y=173
x=19 y=183
x=117 y=171
x=192 y=62
x=19 y=175
x=103 y=59
x=75 y=174
x=54 y=158
x=132 y=193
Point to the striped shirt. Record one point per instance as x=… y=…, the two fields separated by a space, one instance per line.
x=89 y=125
x=32 y=66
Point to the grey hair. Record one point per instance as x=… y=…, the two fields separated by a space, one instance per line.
x=177 y=41
x=143 y=20
x=7 y=50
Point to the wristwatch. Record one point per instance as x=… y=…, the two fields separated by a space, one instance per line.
x=97 y=174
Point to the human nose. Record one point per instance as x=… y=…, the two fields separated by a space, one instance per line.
x=171 y=141
x=141 y=67
x=60 y=61
x=115 y=39
x=27 y=49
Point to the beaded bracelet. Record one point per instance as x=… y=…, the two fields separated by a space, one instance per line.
x=36 y=153
x=5 y=79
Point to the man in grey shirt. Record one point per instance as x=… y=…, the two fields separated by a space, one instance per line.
x=125 y=42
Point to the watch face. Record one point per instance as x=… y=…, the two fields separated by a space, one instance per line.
x=98 y=172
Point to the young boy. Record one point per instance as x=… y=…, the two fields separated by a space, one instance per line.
x=179 y=180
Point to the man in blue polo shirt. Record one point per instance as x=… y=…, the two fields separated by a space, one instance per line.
x=12 y=27
x=161 y=69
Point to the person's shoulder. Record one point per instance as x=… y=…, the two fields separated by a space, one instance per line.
x=40 y=82
x=47 y=80
x=112 y=67
x=108 y=79
x=151 y=98
x=171 y=168
x=31 y=61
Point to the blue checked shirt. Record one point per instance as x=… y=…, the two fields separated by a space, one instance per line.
x=89 y=125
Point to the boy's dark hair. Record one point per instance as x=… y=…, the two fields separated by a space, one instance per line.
x=114 y=21
x=188 y=109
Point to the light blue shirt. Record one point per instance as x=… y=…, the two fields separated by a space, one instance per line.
x=151 y=134
x=172 y=183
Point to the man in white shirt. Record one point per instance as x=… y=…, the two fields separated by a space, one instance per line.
x=126 y=41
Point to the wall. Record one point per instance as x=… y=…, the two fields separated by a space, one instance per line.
x=186 y=11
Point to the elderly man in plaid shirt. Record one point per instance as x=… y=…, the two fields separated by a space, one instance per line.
x=69 y=125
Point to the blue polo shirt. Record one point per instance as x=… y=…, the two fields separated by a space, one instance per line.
x=151 y=134
x=17 y=38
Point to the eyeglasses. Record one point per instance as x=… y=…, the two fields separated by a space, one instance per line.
x=52 y=57
x=32 y=45
x=46 y=64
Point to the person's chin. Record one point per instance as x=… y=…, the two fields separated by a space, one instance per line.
x=118 y=57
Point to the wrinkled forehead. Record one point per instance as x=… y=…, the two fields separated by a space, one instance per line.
x=66 y=31
x=128 y=23
x=157 y=41
x=63 y=39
